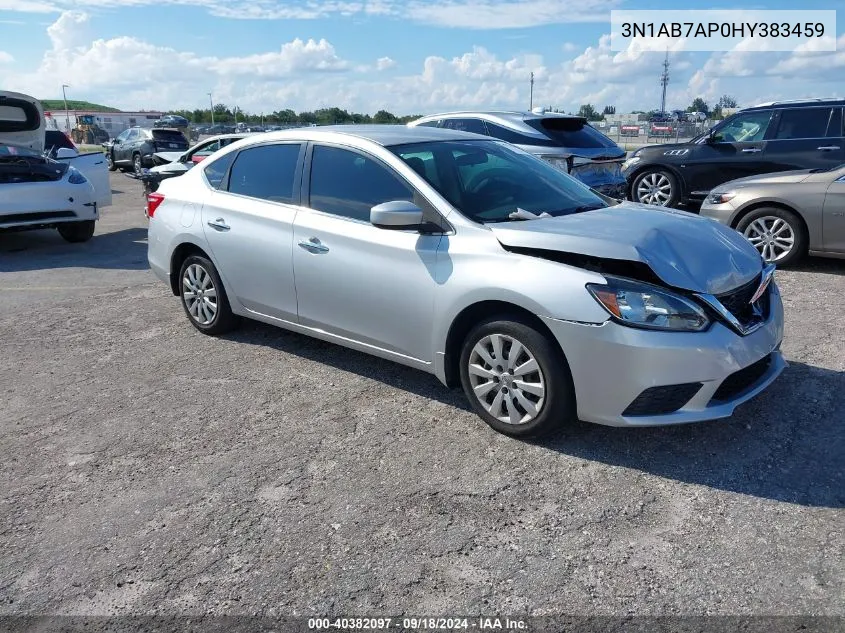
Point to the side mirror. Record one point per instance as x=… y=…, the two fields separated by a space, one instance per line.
x=66 y=152
x=396 y=214
x=711 y=138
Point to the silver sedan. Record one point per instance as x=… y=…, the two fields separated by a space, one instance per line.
x=472 y=260
x=787 y=214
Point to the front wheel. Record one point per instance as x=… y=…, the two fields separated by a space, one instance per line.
x=77 y=231
x=516 y=378
x=204 y=298
x=110 y=161
x=778 y=235
x=656 y=186
x=136 y=164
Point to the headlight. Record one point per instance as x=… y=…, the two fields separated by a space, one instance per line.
x=557 y=161
x=631 y=162
x=642 y=305
x=75 y=177
x=721 y=197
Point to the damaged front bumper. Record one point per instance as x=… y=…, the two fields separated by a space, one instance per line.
x=631 y=377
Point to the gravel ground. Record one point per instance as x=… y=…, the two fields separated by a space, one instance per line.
x=148 y=469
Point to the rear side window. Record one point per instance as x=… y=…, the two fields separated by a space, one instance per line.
x=428 y=124
x=266 y=172
x=169 y=136
x=348 y=184
x=215 y=172
x=476 y=126
x=571 y=132
x=803 y=123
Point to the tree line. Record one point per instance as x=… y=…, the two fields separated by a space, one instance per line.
x=322 y=116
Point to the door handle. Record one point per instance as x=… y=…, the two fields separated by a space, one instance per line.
x=314 y=246
x=828 y=148
x=219 y=224
x=751 y=150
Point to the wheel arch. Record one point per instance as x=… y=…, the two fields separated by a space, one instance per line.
x=180 y=254
x=473 y=314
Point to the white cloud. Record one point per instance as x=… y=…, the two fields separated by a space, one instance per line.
x=471 y=14
x=6 y=58
x=383 y=63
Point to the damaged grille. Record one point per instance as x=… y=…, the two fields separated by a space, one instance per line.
x=738 y=302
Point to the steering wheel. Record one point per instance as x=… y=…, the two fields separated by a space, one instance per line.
x=492 y=179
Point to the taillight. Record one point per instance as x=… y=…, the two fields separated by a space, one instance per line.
x=153 y=202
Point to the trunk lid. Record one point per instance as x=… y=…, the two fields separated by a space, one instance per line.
x=684 y=250
x=21 y=120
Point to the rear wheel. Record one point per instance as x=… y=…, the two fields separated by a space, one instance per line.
x=778 y=234
x=77 y=231
x=204 y=298
x=656 y=186
x=136 y=164
x=516 y=378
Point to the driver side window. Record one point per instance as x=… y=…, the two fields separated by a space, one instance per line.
x=744 y=128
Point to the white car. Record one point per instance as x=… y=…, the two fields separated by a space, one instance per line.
x=36 y=191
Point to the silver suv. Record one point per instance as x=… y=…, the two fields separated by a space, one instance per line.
x=568 y=142
x=472 y=260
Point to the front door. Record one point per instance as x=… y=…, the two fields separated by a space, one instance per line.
x=736 y=149
x=248 y=224
x=371 y=285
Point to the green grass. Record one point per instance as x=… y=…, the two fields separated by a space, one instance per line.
x=59 y=104
x=89 y=149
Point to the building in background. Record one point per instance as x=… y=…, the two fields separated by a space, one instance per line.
x=112 y=122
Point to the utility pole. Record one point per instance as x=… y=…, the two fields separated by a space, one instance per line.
x=67 y=116
x=211 y=102
x=531 y=98
x=664 y=81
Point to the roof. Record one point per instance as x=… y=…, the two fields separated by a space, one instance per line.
x=829 y=101
x=501 y=114
x=385 y=135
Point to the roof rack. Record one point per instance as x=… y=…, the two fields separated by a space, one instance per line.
x=817 y=99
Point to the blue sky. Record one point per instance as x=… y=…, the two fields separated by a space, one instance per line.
x=407 y=56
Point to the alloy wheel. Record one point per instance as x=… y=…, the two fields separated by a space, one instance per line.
x=199 y=294
x=772 y=236
x=506 y=379
x=654 y=188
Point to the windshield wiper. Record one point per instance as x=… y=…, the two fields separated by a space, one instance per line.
x=522 y=214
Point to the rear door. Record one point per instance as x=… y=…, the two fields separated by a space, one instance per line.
x=248 y=224
x=807 y=138
x=736 y=149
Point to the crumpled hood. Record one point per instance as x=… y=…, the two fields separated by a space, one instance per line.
x=684 y=250
x=169 y=157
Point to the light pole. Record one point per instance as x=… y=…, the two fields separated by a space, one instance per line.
x=211 y=103
x=67 y=116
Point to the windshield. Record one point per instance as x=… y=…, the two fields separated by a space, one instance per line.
x=487 y=181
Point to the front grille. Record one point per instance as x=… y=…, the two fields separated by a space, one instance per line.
x=738 y=302
x=39 y=216
x=662 y=400
x=741 y=380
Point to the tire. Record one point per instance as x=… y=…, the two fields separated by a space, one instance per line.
x=110 y=161
x=192 y=279
x=557 y=401
x=658 y=187
x=77 y=231
x=771 y=230
x=136 y=164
